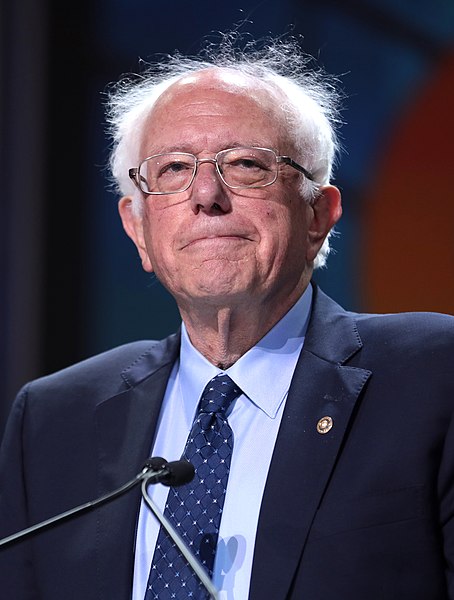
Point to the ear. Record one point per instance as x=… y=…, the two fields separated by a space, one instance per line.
x=133 y=225
x=327 y=210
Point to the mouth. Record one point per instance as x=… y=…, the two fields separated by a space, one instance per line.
x=212 y=240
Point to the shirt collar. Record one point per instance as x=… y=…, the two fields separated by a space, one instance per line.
x=264 y=373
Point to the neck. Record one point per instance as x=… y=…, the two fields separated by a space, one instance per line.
x=222 y=334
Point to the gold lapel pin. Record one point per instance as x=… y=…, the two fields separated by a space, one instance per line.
x=324 y=425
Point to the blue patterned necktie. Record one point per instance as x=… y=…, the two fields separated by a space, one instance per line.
x=195 y=509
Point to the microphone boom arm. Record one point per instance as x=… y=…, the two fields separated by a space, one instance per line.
x=146 y=473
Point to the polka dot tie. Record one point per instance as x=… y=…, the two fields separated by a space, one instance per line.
x=195 y=509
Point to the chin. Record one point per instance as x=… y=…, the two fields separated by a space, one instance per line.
x=221 y=291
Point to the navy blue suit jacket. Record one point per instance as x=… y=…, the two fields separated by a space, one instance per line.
x=364 y=511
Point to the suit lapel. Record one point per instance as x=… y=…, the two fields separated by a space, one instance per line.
x=304 y=458
x=126 y=424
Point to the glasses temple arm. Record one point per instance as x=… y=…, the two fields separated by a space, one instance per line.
x=289 y=161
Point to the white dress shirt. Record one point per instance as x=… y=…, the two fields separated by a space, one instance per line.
x=264 y=374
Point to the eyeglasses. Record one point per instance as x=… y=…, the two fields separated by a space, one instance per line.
x=174 y=172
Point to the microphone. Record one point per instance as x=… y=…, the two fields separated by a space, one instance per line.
x=174 y=473
x=155 y=470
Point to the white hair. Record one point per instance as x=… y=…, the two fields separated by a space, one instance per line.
x=307 y=97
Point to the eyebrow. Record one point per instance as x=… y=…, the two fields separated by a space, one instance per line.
x=184 y=147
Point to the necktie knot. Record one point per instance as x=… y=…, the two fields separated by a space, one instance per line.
x=218 y=394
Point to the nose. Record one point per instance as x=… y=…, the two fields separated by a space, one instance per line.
x=208 y=193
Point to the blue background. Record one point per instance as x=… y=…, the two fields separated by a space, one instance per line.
x=72 y=282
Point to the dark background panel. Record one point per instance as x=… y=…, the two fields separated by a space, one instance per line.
x=71 y=283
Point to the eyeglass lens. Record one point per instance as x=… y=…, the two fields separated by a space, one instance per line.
x=238 y=167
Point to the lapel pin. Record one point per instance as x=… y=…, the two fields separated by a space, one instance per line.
x=324 y=425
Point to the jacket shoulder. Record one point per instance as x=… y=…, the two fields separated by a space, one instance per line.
x=423 y=328
x=337 y=334
x=107 y=373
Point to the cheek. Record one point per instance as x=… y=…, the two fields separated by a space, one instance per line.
x=275 y=238
x=281 y=224
x=158 y=235
x=286 y=229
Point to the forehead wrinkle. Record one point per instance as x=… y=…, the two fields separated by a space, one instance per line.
x=190 y=147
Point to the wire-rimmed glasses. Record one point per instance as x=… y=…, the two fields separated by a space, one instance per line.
x=174 y=172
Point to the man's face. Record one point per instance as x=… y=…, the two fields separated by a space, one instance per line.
x=211 y=243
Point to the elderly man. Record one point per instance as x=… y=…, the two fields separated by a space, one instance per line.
x=322 y=440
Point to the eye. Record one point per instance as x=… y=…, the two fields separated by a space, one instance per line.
x=247 y=163
x=256 y=160
x=172 y=168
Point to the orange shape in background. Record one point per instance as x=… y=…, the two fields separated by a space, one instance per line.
x=409 y=226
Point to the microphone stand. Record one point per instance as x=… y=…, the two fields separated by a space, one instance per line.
x=155 y=470
x=180 y=544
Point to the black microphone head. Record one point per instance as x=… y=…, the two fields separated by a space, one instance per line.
x=178 y=473
x=155 y=463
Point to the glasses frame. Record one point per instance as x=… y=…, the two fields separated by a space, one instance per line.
x=134 y=173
